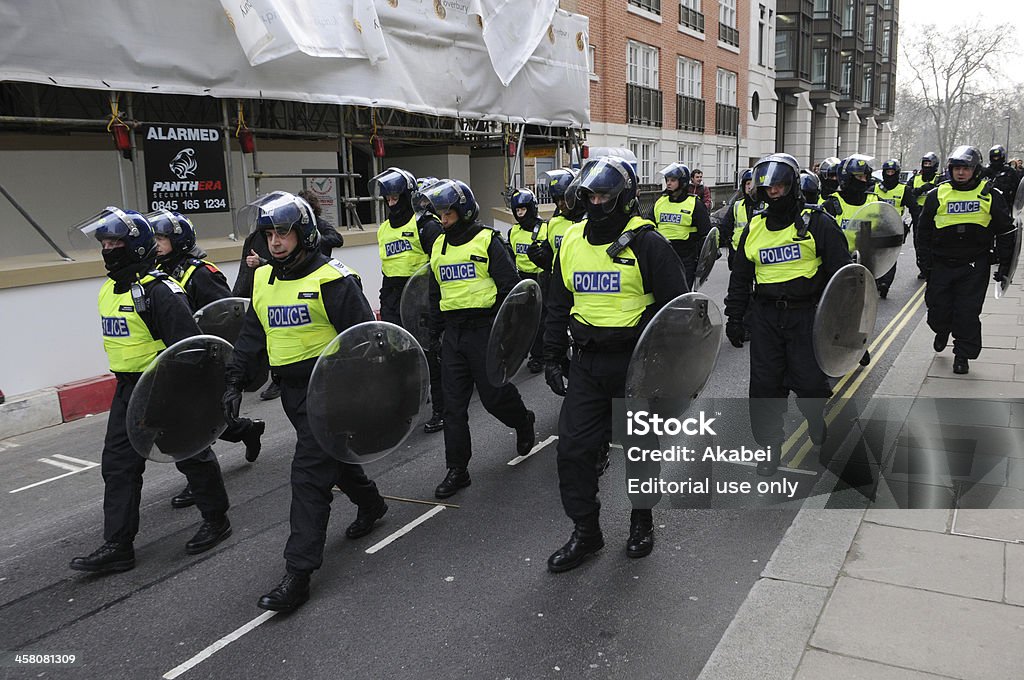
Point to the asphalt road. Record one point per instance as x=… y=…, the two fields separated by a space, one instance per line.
x=464 y=593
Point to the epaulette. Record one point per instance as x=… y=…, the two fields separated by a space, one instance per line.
x=627 y=237
x=341 y=268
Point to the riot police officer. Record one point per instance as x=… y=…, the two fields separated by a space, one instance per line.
x=923 y=181
x=958 y=223
x=404 y=241
x=890 y=190
x=203 y=283
x=530 y=230
x=828 y=173
x=472 y=276
x=143 y=312
x=737 y=217
x=326 y=298
x=790 y=252
x=1004 y=177
x=605 y=322
x=854 y=193
x=810 y=187
x=682 y=217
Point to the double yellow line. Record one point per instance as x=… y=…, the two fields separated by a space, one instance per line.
x=851 y=382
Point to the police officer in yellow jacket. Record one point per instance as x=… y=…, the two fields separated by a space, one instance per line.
x=790 y=252
x=890 y=190
x=404 y=242
x=960 y=221
x=682 y=218
x=567 y=212
x=143 y=312
x=203 y=283
x=529 y=230
x=923 y=180
x=472 y=276
x=300 y=302
x=611 y=275
x=739 y=214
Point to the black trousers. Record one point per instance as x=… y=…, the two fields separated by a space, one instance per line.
x=122 y=469
x=464 y=365
x=688 y=251
x=782 y=361
x=955 y=296
x=537 y=350
x=236 y=431
x=887 y=278
x=390 y=311
x=314 y=473
x=596 y=379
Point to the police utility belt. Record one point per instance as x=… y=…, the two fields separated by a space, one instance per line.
x=786 y=302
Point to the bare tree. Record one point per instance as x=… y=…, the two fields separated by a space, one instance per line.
x=950 y=70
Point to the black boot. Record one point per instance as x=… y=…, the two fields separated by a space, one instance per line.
x=435 y=424
x=883 y=291
x=526 y=437
x=866 y=359
x=641 y=533
x=535 y=366
x=273 y=391
x=767 y=468
x=290 y=594
x=586 y=539
x=366 y=518
x=211 y=532
x=252 y=440
x=184 y=499
x=960 y=365
x=940 y=341
x=457 y=478
x=108 y=558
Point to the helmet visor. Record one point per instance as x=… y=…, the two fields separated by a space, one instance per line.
x=602 y=182
x=391 y=182
x=279 y=211
x=109 y=223
x=445 y=196
x=774 y=173
x=164 y=223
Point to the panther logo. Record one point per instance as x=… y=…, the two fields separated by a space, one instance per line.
x=184 y=164
x=439 y=9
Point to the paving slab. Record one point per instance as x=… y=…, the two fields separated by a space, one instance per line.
x=817 y=665
x=814 y=547
x=769 y=633
x=942 y=367
x=1002 y=525
x=921 y=630
x=962 y=386
x=922 y=559
x=922 y=520
x=1015 y=573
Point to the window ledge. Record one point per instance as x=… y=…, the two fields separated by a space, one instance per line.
x=690 y=32
x=640 y=12
x=728 y=47
x=594 y=78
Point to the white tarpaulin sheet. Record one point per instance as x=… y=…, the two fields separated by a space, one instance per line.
x=427 y=56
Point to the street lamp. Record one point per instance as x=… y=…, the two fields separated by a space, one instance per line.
x=1007 y=119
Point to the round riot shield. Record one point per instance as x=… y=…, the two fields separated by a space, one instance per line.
x=706 y=260
x=845 y=320
x=369 y=390
x=879 y=230
x=675 y=355
x=223 y=317
x=513 y=331
x=414 y=307
x=1018 y=202
x=1004 y=285
x=175 y=409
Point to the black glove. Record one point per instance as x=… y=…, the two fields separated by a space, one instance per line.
x=555 y=378
x=1001 y=274
x=735 y=332
x=231 y=402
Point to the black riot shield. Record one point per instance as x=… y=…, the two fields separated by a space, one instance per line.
x=175 y=409
x=1018 y=201
x=223 y=318
x=415 y=305
x=844 y=322
x=369 y=390
x=709 y=253
x=1004 y=285
x=675 y=355
x=879 y=229
x=513 y=331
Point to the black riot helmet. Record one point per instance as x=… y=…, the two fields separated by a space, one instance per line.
x=891 y=173
x=997 y=155
x=782 y=171
x=855 y=173
x=810 y=186
x=929 y=163
x=524 y=198
x=964 y=157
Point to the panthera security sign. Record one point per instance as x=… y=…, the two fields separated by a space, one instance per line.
x=185 y=169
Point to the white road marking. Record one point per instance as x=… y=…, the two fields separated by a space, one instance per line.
x=217 y=646
x=64 y=466
x=404 y=530
x=84 y=466
x=86 y=463
x=519 y=459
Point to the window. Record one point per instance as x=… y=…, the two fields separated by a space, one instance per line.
x=822 y=9
x=819 y=66
x=689 y=73
x=886 y=40
x=646 y=151
x=849 y=17
x=653 y=6
x=727 y=13
x=869 y=28
x=764 y=29
x=690 y=15
x=886 y=4
x=591 y=60
x=725 y=92
x=642 y=65
x=785 y=43
x=724 y=165
x=883 y=91
x=846 y=80
x=868 y=83
x=689 y=155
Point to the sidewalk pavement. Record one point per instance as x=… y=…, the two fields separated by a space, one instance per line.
x=898 y=594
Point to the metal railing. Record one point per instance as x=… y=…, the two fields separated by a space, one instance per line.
x=728 y=35
x=649 y=5
x=691 y=18
x=689 y=113
x=643 y=105
x=727 y=120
